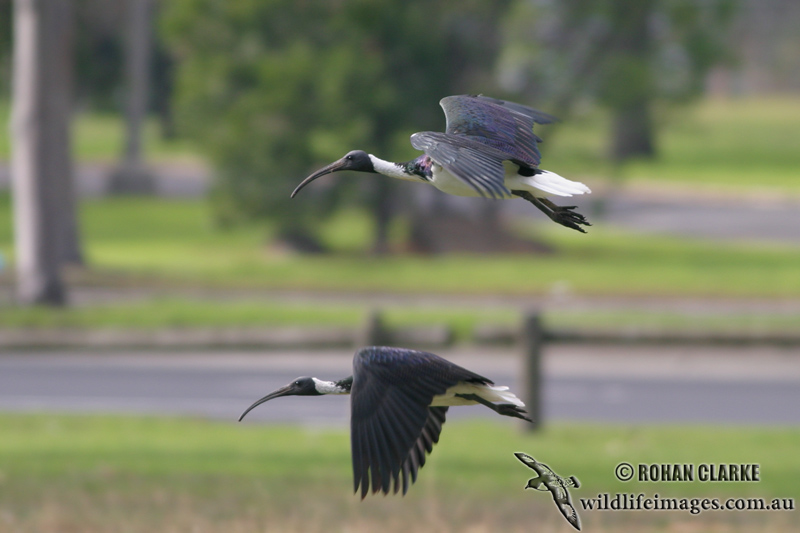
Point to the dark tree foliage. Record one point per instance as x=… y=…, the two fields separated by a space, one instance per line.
x=625 y=54
x=99 y=58
x=5 y=48
x=98 y=51
x=272 y=89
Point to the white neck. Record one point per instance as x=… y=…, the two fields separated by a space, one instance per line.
x=387 y=168
x=327 y=387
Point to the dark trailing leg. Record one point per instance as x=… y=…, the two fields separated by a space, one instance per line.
x=563 y=215
x=506 y=409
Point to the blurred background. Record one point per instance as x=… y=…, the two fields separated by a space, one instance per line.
x=156 y=278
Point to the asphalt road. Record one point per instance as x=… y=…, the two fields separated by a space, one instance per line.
x=580 y=383
x=762 y=220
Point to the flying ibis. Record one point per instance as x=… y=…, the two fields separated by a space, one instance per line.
x=398 y=402
x=488 y=149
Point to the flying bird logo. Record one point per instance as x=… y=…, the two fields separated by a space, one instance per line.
x=548 y=480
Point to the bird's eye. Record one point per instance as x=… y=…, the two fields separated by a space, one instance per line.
x=349 y=157
x=297 y=383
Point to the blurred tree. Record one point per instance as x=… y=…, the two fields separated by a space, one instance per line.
x=44 y=209
x=626 y=54
x=132 y=176
x=272 y=89
x=99 y=59
x=99 y=53
x=5 y=47
x=104 y=32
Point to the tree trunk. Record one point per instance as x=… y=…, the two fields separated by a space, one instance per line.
x=383 y=191
x=132 y=177
x=40 y=135
x=632 y=132
x=490 y=216
x=63 y=66
x=382 y=212
x=440 y=228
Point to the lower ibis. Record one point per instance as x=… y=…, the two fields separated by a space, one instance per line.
x=487 y=149
x=398 y=402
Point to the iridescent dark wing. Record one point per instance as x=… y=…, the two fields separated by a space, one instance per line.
x=539 y=117
x=392 y=427
x=506 y=126
x=422 y=446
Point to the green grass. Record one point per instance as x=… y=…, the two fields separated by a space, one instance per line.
x=182 y=312
x=187 y=312
x=100 y=137
x=96 y=473
x=724 y=143
x=172 y=242
x=604 y=262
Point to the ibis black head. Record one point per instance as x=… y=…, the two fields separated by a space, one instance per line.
x=299 y=387
x=357 y=160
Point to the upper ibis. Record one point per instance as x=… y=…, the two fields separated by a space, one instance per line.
x=398 y=402
x=488 y=149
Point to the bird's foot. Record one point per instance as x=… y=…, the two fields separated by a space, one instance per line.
x=564 y=215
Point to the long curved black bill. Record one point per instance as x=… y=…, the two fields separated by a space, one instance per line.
x=333 y=167
x=283 y=391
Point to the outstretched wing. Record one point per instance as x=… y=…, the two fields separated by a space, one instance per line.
x=569 y=512
x=547 y=474
x=392 y=426
x=506 y=126
x=527 y=460
x=478 y=165
x=539 y=117
x=563 y=501
x=423 y=445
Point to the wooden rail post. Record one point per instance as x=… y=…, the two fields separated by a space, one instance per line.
x=531 y=342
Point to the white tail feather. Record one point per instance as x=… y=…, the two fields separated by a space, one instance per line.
x=552 y=183
x=491 y=393
x=504 y=395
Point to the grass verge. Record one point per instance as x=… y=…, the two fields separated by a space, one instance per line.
x=100 y=137
x=102 y=473
x=140 y=240
x=172 y=312
x=721 y=143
